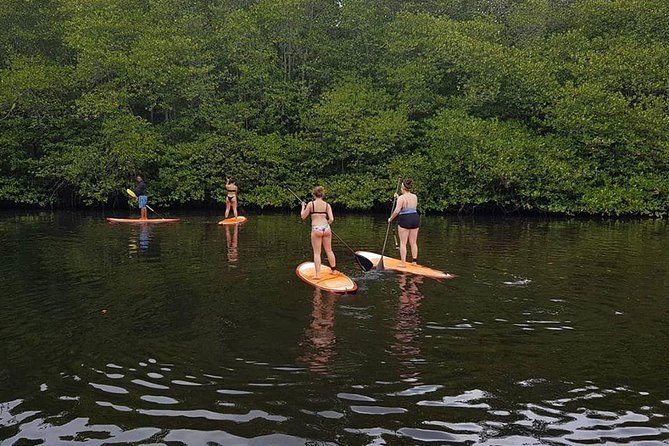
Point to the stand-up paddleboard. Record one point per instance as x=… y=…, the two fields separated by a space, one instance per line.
x=394 y=264
x=138 y=221
x=233 y=220
x=338 y=283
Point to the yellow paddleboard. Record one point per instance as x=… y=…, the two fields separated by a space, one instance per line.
x=394 y=264
x=338 y=283
x=233 y=220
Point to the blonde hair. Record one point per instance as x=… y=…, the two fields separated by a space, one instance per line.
x=318 y=192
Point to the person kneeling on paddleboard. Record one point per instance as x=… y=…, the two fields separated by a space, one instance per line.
x=408 y=221
x=321 y=235
x=142 y=196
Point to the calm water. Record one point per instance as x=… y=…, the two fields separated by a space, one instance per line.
x=555 y=332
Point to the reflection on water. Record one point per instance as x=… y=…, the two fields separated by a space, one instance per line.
x=553 y=333
x=139 y=243
x=144 y=238
x=408 y=324
x=231 y=241
x=97 y=404
x=319 y=338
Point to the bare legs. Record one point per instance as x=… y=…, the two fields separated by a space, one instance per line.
x=413 y=241
x=231 y=204
x=322 y=239
x=143 y=214
x=327 y=244
x=411 y=236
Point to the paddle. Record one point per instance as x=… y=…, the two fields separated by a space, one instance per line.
x=134 y=195
x=364 y=263
x=380 y=266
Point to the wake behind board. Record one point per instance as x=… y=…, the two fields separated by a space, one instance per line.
x=138 y=221
x=394 y=264
x=339 y=283
x=233 y=220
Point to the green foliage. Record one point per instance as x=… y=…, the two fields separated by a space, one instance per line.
x=536 y=105
x=474 y=161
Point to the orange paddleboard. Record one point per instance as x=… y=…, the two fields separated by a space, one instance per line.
x=137 y=221
x=233 y=220
x=394 y=264
x=338 y=283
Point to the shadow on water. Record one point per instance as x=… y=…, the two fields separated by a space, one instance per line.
x=554 y=332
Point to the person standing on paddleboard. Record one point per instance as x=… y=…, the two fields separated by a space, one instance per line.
x=142 y=196
x=231 y=199
x=408 y=221
x=321 y=235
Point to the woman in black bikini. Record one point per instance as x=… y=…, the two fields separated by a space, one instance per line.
x=231 y=199
x=408 y=221
x=321 y=235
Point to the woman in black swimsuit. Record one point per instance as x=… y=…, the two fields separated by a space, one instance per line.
x=408 y=221
x=231 y=199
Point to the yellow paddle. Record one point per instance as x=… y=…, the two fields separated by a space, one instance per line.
x=132 y=194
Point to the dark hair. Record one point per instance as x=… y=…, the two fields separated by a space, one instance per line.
x=407 y=184
x=319 y=192
x=139 y=175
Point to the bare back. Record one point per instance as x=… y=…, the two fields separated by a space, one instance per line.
x=320 y=212
x=407 y=200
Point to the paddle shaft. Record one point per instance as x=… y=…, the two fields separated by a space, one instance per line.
x=294 y=194
x=152 y=210
x=385 y=241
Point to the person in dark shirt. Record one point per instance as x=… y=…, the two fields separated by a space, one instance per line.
x=141 y=193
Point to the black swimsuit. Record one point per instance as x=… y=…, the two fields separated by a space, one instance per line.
x=313 y=209
x=229 y=197
x=409 y=221
x=409 y=218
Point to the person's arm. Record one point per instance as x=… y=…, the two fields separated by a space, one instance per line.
x=396 y=211
x=305 y=211
x=330 y=214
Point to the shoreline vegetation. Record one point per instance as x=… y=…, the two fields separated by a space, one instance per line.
x=557 y=107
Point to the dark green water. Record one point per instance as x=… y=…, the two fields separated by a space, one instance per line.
x=554 y=332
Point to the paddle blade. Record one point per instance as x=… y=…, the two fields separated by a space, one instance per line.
x=364 y=263
x=380 y=266
x=131 y=193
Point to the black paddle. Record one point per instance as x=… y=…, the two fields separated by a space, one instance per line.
x=380 y=266
x=364 y=263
